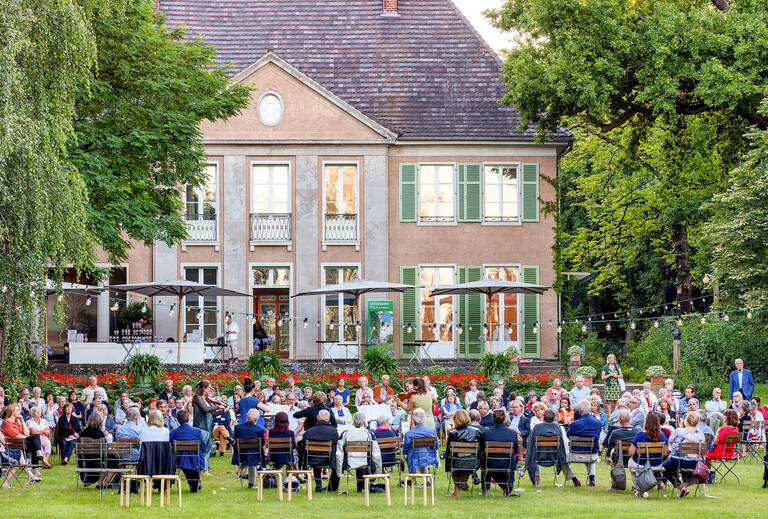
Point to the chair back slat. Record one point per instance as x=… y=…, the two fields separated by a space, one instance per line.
x=186 y=445
x=281 y=444
x=358 y=447
x=652 y=447
x=427 y=442
x=688 y=448
x=249 y=443
x=464 y=448
x=547 y=441
x=318 y=446
x=388 y=443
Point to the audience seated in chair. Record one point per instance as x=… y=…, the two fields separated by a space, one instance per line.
x=502 y=434
x=252 y=458
x=190 y=467
x=419 y=459
x=462 y=465
x=587 y=426
x=322 y=431
x=358 y=462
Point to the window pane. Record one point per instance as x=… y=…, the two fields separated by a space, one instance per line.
x=492 y=194
x=349 y=174
x=446 y=175
x=350 y=274
x=427 y=175
x=209 y=276
x=192 y=274
x=260 y=276
x=427 y=276
x=331 y=276
x=282 y=276
x=280 y=175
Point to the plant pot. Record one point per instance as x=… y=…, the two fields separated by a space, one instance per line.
x=588 y=381
x=142 y=381
x=657 y=380
x=576 y=358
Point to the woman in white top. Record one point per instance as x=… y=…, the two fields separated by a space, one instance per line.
x=37 y=425
x=155 y=430
x=471 y=395
x=49 y=410
x=341 y=413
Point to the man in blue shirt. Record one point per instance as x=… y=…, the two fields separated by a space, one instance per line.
x=587 y=426
x=251 y=458
x=741 y=380
x=188 y=464
x=421 y=458
x=130 y=429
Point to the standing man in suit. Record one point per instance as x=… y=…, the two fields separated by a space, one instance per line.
x=251 y=458
x=190 y=466
x=323 y=430
x=500 y=433
x=741 y=380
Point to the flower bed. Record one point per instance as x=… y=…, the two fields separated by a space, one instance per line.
x=225 y=381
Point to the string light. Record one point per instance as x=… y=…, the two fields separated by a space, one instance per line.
x=434 y=328
x=173 y=308
x=318 y=323
x=279 y=322
x=410 y=328
x=357 y=325
x=583 y=328
x=559 y=329
x=115 y=307
x=726 y=317
x=144 y=308
x=535 y=327
x=88 y=302
x=485 y=329
x=633 y=325
x=197 y=315
x=31 y=293
x=460 y=329
x=656 y=323
x=608 y=327
x=306 y=322
x=749 y=314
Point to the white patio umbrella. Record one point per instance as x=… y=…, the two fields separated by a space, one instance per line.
x=178 y=288
x=356 y=287
x=489 y=287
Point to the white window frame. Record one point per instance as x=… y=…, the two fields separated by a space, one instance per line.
x=455 y=220
x=271 y=163
x=518 y=220
x=200 y=265
x=518 y=318
x=288 y=243
x=282 y=108
x=356 y=241
x=419 y=315
x=217 y=179
x=272 y=264
x=337 y=265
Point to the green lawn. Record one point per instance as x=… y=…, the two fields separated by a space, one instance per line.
x=57 y=499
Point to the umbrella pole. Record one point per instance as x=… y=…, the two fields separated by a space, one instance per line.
x=178 y=332
x=488 y=316
x=357 y=317
x=45 y=312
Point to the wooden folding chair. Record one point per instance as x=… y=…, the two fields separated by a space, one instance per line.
x=357 y=447
x=426 y=442
x=390 y=448
x=547 y=445
x=248 y=447
x=653 y=450
x=319 y=454
x=465 y=453
x=89 y=452
x=503 y=456
x=725 y=464
x=687 y=449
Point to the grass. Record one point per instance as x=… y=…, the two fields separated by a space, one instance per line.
x=57 y=499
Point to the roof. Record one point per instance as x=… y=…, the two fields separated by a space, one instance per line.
x=423 y=74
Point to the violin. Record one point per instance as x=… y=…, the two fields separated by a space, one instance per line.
x=406 y=395
x=216 y=400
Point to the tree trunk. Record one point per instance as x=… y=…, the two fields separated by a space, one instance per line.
x=593 y=309
x=682 y=251
x=667 y=287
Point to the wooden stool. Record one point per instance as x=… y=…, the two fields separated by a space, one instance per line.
x=307 y=473
x=165 y=488
x=144 y=489
x=260 y=488
x=425 y=478
x=370 y=477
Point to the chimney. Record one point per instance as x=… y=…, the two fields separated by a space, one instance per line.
x=390 y=7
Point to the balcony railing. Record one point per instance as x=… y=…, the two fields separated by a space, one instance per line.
x=270 y=226
x=340 y=227
x=201 y=227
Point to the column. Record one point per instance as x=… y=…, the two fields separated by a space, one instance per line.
x=307 y=244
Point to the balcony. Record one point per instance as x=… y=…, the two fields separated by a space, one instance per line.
x=340 y=228
x=270 y=227
x=202 y=228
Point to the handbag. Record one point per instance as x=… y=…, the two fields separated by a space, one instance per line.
x=622 y=385
x=701 y=472
x=645 y=479
x=618 y=476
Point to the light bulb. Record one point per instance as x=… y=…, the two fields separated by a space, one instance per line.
x=656 y=324
x=318 y=323
x=409 y=329
x=583 y=328
x=460 y=329
x=550 y=322
x=559 y=329
x=535 y=328
x=726 y=318
x=170 y=312
x=306 y=322
x=31 y=293
x=115 y=307
x=749 y=314
x=279 y=323
x=197 y=316
x=470 y=327
x=144 y=308
x=357 y=325
x=608 y=327
x=485 y=330
x=332 y=325
x=633 y=325
x=88 y=302
x=703 y=319
x=59 y=297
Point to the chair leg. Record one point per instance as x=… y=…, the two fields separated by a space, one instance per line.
x=309 y=486
x=259 y=487
x=424 y=490
x=386 y=489
x=432 y=486
x=178 y=484
x=367 y=492
x=280 y=488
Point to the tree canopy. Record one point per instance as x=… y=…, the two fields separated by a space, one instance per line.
x=137 y=125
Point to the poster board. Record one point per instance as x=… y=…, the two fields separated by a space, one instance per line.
x=381 y=322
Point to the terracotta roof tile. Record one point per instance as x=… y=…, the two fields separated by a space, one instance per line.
x=425 y=73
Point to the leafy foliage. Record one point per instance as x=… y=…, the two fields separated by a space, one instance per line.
x=655 y=371
x=144 y=365
x=377 y=361
x=261 y=362
x=133 y=312
x=586 y=371
x=137 y=125
x=495 y=364
x=574 y=350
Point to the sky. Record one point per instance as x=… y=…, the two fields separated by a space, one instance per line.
x=473 y=10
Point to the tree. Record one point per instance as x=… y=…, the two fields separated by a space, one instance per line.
x=736 y=235
x=668 y=74
x=137 y=125
x=46 y=51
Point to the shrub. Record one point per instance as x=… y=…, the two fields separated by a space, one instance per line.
x=655 y=371
x=495 y=364
x=263 y=362
x=574 y=350
x=586 y=371
x=377 y=362
x=144 y=366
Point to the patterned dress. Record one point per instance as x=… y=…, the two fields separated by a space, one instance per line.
x=612 y=390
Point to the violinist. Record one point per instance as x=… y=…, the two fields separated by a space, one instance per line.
x=205 y=408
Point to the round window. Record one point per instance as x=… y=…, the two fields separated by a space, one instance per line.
x=270 y=109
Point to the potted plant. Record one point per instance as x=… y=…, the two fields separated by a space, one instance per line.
x=377 y=361
x=575 y=353
x=656 y=374
x=145 y=368
x=263 y=363
x=495 y=365
x=588 y=372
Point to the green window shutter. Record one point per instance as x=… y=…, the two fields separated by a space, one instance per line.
x=470 y=314
x=530 y=206
x=530 y=313
x=408 y=192
x=470 y=193
x=408 y=313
